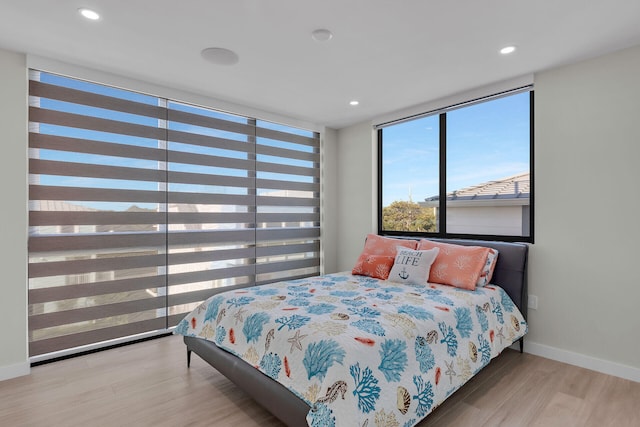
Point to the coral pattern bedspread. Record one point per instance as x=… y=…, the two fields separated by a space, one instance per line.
x=361 y=351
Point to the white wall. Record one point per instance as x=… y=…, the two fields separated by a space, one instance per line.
x=357 y=191
x=13 y=173
x=583 y=265
x=329 y=208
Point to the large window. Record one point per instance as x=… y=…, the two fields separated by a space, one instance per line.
x=464 y=171
x=142 y=207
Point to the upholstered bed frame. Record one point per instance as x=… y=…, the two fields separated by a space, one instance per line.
x=510 y=274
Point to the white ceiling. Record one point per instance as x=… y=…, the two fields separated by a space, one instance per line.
x=388 y=54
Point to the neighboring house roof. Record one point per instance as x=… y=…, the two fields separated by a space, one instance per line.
x=122 y=228
x=513 y=190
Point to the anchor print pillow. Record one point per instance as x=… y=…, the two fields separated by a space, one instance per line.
x=412 y=267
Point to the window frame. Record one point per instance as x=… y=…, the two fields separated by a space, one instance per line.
x=442 y=184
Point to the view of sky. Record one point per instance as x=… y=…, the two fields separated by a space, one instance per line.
x=485 y=142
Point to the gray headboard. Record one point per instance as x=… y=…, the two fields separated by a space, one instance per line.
x=511 y=269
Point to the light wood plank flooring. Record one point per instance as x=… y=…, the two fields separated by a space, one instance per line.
x=148 y=384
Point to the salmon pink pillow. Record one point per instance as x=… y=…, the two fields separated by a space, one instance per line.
x=378 y=245
x=377 y=266
x=456 y=265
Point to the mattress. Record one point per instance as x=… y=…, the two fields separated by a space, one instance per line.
x=358 y=350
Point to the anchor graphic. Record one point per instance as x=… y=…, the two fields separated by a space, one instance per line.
x=403 y=274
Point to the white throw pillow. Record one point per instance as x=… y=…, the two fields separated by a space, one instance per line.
x=412 y=266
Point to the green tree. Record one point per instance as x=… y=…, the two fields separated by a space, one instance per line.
x=407 y=216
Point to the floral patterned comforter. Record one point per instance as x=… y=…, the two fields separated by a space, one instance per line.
x=360 y=350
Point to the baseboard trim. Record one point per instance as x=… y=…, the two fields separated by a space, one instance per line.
x=13 y=371
x=587 y=362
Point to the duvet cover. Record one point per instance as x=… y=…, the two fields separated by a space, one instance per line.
x=361 y=351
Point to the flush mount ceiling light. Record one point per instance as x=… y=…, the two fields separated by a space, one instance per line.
x=89 y=14
x=220 y=56
x=507 y=50
x=321 y=35
x=354 y=103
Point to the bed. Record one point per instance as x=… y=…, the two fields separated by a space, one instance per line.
x=417 y=359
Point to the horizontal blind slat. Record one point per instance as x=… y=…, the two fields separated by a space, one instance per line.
x=50 y=192
x=264 y=251
x=41 y=218
x=79 y=121
x=85 y=314
x=207 y=160
x=288 y=217
x=209 y=141
x=84 y=290
x=287 y=201
x=75 y=96
x=286 y=265
x=210 y=199
x=87 y=170
x=288 y=137
x=211 y=217
x=208 y=256
x=86 y=146
x=94 y=336
x=287 y=169
x=210 y=236
x=210 y=275
x=288 y=185
x=95 y=241
x=289 y=277
x=209 y=122
x=271 y=234
x=210 y=179
x=287 y=153
x=55 y=268
x=190 y=297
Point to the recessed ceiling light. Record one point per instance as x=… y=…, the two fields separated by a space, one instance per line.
x=354 y=102
x=321 y=35
x=220 y=56
x=507 y=50
x=89 y=14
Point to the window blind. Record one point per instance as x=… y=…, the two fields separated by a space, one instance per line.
x=142 y=207
x=287 y=204
x=211 y=204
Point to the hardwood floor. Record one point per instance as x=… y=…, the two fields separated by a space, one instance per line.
x=148 y=384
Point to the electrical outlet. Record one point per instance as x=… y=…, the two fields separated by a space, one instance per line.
x=533 y=302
